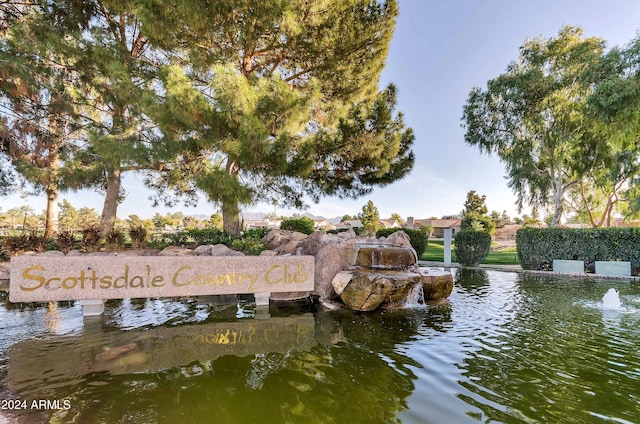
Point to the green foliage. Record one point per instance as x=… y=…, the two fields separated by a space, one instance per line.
x=209 y=236
x=255 y=233
x=427 y=229
x=191 y=237
x=302 y=224
x=476 y=222
x=370 y=218
x=472 y=247
x=250 y=243
x=417 y=238
x=475 y=203
x=533 y=116
x=538 y=247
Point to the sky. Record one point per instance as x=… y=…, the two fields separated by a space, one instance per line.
x=440 y=50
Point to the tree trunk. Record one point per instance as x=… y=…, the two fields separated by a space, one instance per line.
x=51 y=219
x=231 y=218
x=558 y=203
x=230 y=209
x=52 y=213
x=111 y=200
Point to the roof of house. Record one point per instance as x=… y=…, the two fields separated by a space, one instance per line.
x=439 y=223
x=389 y=223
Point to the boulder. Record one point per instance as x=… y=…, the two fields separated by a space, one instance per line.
x=399 y=238
x=312 y=244
x=330 y=260
x=275 y=238
x=288 y=248
x=437 y=285
x=347 y=235
x=51 y=253
x=366 y=290
x=204 y=250
x=385 y=256
x=176 y=251
x=298 y=236
x=218 y=250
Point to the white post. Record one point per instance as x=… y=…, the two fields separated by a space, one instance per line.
x=447 y=247
x=92 y=307
x=410 y=224
x=262 y=305
x=262 y=299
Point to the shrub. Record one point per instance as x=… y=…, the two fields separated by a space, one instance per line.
x=209 y=236
x=418 y=238
x=472 y=247
x=303 y=224
x=91 y=238
x=14 y=245
x=66 y=240
x=538 y=247
x=255 y=233
x=114 y=239
x=139 y=236
x=251 y=245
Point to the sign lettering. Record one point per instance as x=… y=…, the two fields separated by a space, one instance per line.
x=37 y=278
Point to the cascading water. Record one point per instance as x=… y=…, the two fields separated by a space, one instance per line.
x=415 y=297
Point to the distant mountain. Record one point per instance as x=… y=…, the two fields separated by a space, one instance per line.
x=257 y=216
x=253 y=216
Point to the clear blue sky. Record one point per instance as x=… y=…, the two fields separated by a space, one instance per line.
x=440 y=50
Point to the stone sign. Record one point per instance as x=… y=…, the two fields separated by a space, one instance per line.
x=37 y=278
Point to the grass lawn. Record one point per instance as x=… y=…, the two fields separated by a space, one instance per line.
x=435 y=252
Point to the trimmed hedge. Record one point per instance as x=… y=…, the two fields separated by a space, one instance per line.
x=303 y=224
x=418 y=239
x=538 y=247
x=472 y=247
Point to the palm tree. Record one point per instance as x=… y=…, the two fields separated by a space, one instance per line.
x=13 y=214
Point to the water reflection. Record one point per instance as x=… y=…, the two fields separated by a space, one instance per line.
x=507 y=348
x=295 y=368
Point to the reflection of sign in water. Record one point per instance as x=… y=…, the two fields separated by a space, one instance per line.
x=49 y=362
x=36 y=278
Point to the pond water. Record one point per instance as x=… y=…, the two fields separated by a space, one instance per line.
x=508 y=348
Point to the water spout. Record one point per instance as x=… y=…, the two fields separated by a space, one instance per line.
x=611 y=300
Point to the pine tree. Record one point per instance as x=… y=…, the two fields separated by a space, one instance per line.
x=39 y=121
x=283 y=101
x=370 y=218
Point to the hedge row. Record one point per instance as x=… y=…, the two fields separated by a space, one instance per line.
x=472 y=247
x=538 y=247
